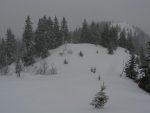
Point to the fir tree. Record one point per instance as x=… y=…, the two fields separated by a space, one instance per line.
x=110 y=48
x=3 y=54
x=41 y=37
x=122 y=39
x=64 y=31
x=100 y=98
x=10 y=47
x=49 y=35
x=85 y=33
x=144 y=82
x=129 y=42
x=95 y=34
x=105 y=41
x=114 y=37
x=28 y=44
x=57 y=33
x=130 y=68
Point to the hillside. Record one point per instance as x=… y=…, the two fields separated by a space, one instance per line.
x=141 y=36
x=73 y=88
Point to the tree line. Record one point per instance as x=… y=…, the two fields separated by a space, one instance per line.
x=50 y=34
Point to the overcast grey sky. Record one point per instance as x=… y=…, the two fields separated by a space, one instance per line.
x=14 y=12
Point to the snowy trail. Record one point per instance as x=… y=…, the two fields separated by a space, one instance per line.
x=72 y=90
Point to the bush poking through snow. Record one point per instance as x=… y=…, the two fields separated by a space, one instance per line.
x=43 y=68
x=61 y=53
x=97 y=52
x=100 y=98
x=99 y=78
x=81 y=54
x=18 y=68
x=93 y=70
x=65 y=61
x=53 y=70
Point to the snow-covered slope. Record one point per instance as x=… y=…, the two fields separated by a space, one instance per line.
x=73 y=88
x=125 y=26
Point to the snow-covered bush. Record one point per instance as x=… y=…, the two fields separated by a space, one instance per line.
x=81 y=54
x=52 y=70
x=93 y=70
x=97 y=52
x=65 y=61
x=43 y=68
x=100 y=98
x=99 y=78
x=61 y=53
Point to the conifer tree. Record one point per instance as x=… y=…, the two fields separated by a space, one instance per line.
x=57 y=33
x=114 y=37
x=85 y=33
x=100 y=98
x=28 y=44
x=95 y=34
x=64 y=31
x=105 y=41
x=122 y=39
x=10 y=47
x=49 y=34
x=3 y=54
x=41 y=38
x=130 y=68
x=129 y=42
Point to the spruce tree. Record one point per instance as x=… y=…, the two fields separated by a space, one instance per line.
x=144 y=82
x=3 y=54
x=28 y=44
x=41 y=37
x=100 y=98
x=122 y=39
x=85 y=33
x=129 y=42
x=57 y=34
x=49 y=35
x=10 y=46
x=64 y=31
x=130 y=68
x=114 y=37
x=95 y=34
x=105 y=39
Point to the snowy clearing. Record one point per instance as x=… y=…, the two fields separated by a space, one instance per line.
x=73 y=88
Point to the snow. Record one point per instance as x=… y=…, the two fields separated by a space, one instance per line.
x=124 y=26
x=74 y=87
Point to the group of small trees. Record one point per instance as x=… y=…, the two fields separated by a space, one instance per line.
x=130 y=68
x=144 y=81
x=44 y=69
x=103 y=33
x=48 y=35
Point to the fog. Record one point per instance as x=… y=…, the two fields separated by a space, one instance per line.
x=14 y=12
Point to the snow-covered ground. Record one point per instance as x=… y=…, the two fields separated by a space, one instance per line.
x=73 y=88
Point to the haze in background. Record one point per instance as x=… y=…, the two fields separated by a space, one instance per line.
x=14 y=12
